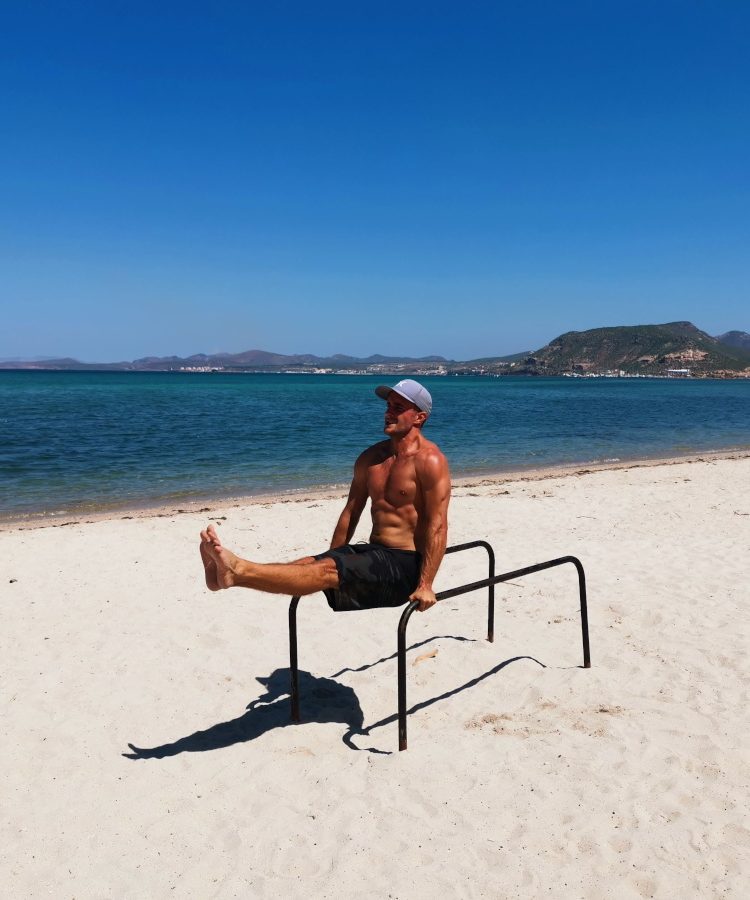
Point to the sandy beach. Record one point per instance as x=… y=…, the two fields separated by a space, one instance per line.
x=526 y=774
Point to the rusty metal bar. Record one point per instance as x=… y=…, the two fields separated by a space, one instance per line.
x=474 y=586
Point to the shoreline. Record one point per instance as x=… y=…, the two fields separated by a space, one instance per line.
x=34 y=521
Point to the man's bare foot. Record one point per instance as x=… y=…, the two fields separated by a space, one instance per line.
x=224 y=561
x=209 y=566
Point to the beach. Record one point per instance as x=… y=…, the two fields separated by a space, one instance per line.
x=526 y=774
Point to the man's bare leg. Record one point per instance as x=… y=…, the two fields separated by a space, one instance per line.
x=209 y=566
x=305 y=576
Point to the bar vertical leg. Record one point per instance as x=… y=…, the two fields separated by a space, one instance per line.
x=491 y=598
x=584 y=616
x=401 y=653
x=293 y=667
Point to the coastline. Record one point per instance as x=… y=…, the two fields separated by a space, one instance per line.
x=319 y=493
x=63 y=464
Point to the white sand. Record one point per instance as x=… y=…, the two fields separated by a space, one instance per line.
x=629 y=779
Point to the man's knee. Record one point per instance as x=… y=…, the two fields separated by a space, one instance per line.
x=329 y=572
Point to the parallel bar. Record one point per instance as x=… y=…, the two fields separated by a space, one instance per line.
x=584 y=612
x=401 y=649
x=456 y=548
x=293 y=666
x=517 y=573
x=489 y=583
x=491 y=587
x=491 y=597
x=476 y=585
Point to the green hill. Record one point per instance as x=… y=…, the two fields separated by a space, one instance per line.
x=638 y=349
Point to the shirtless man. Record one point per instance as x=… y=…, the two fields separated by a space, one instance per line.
x=407 y=480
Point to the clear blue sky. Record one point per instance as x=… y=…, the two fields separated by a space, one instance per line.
x=466 y=179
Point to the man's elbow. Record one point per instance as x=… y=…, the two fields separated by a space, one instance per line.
x=439 y=528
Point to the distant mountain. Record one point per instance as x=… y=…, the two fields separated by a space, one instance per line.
x=265 y=359
x=634 y=349
x=50 y=362
x=18 y=359
x=249 y=359
x=377 y=359
x=494 y=360
x=638 y=349
x=738 y=339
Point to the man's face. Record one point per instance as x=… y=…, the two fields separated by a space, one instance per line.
x=401 y=415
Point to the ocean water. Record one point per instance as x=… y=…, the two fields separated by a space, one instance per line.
x=78 y=441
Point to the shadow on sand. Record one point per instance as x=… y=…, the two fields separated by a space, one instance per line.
x=326 y=701
x=322 y=700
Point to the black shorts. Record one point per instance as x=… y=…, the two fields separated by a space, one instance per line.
x=371 y=575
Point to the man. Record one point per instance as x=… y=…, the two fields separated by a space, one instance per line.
x=406 y=478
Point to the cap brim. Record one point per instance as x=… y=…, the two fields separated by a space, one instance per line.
x=383 y=391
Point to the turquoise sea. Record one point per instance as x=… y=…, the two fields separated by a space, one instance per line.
x=78 y=441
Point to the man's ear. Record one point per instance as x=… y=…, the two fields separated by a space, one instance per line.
x=422 y=418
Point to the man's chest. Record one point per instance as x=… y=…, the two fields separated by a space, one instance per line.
x=393 y=481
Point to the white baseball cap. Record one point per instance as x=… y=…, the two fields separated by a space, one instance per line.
x=411 y=390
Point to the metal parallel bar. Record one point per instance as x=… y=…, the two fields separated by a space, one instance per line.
x=489 y=582
x=456 y=548
x=491 y=587
x=528 y=570
x=476 y=585
x=293 y=666
x=491 y=598
x=584 y=612
x=401 y=651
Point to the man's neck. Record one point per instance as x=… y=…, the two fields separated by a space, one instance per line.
x=406 y=443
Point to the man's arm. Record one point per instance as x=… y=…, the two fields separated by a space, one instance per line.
x=355 y=503
x=435 y=481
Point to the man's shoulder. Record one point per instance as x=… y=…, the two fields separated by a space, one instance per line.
x=430 y=449
x=431 y=457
